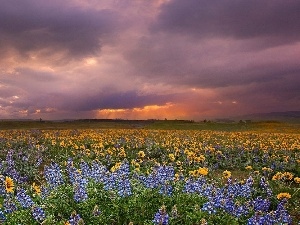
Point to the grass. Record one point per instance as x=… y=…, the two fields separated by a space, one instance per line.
x=268 y=127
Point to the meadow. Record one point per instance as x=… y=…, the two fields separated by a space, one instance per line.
x=149 y=172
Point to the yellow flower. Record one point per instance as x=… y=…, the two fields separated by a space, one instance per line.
x=256 y=172
x=226 y=174
x=178 y=163
x=267 y=169
x=141 y=154
x=283 y=195
x=248 y=168
x=172 y=157
x=297 y=180
x=288 y=175
x=203 y=171
x=277 y=176
x=36 y=188
x=115 y=167
x=9 y=184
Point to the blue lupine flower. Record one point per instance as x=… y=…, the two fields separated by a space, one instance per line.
x=53 y=175
x=122 y=180
x=75 y=219
x=265 y=186
x=9 y=205
x=260 y=204
x=161 y=217
x=24 y=199
x=80 y=185
x=2 y=216
x=98 y=171
x=85 y=169
x=38 y=214
x=208 y=207
x=2 y=186
x=161 y=176
x=281 y=214
x=38 y=162
x=10 y=170
x=44 y=192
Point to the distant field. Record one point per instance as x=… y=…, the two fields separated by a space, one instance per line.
x=272 y=126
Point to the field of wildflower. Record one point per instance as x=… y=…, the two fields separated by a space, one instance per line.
x=148 y=176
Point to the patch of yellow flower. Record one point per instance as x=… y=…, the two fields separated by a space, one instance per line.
x=202 y=171
x=116 y=167
x=283 y=195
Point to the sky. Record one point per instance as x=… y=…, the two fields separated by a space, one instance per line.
x=156 y=59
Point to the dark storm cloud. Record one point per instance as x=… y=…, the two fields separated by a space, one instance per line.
x=116 y=100
x=54 y=26
x=277 y=20
x=193 y=56
x=207 y=64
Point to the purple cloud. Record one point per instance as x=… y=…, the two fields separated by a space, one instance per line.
x=278 y=21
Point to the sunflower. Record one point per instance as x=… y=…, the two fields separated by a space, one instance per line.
x=226 y=174
x=9 y=184
x=248 y=168
x=36 y=188
x=283 y=195
x=141 y=154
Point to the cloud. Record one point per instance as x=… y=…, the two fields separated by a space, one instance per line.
x=278 y=21
x=39 y=28
x=175 y=59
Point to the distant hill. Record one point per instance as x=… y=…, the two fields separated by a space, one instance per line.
x=288 y=116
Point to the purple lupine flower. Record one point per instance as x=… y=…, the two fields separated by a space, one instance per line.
x=53 y=175
x=24 y=199
x=38 y=214
x=161 y=217
x=75 y=219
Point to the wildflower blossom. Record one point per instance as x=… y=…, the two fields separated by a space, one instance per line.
x=283 y=195
x=297 y=180
x=161 y=217
x=226 y=174
x=248 y=168
x=24 y=199
x=9 y=205
x=141 y=154
x=2 y=216
x=75 y=219
x=277 y=176
x=172 y=157
x=287 y=176
x=9 y=185
x=53 y=175
x=38 y=213
x=36 y=188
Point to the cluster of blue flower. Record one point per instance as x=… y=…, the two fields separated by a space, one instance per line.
x=226 y=199
x=161 y=177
